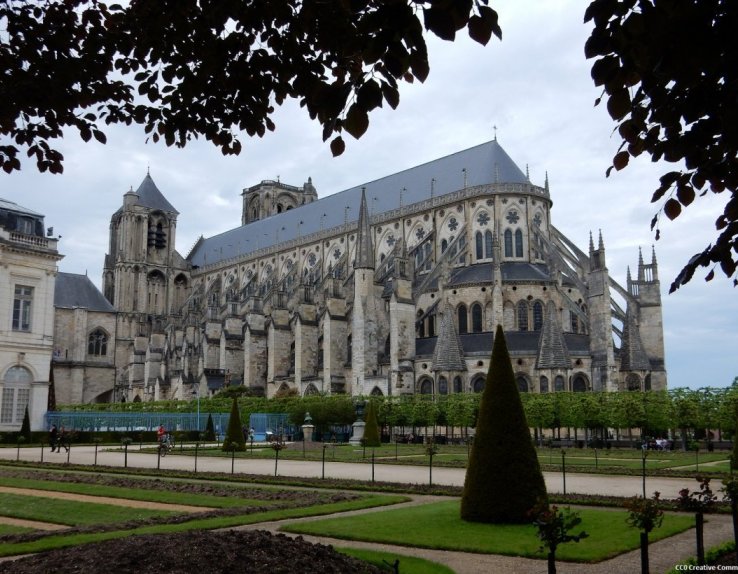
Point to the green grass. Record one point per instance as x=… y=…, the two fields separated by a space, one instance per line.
x=10 y=529
x=70 y=512
x=408 y=564
x=439 y=526
x=55 y=541
x=163 y=496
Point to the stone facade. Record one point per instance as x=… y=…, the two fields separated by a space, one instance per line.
x=390 y=288
x=28 y=268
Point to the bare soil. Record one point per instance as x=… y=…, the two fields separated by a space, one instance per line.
x=222 y=552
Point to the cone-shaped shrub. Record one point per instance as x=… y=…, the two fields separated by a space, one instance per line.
x=371 y=428
x=234 y=435
x=25 y=430
x=210 y=428
x=503 y=479
x=734 y=456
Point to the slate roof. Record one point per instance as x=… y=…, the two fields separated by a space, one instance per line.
x=73 y=290
x=517 y=342
x=510 y=270
x=484 y=164
x=448 y=355
x=552 y=350
x=12 y=206
x=150 y=196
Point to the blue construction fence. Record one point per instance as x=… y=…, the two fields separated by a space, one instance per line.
x=265 y=425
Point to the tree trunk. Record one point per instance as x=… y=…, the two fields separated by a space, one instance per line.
x=644 y=552
x=551 y=562
x=699 y=531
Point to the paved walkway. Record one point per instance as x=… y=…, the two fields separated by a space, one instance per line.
x=663 y=555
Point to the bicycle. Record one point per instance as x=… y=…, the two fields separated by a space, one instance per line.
x=166 y=445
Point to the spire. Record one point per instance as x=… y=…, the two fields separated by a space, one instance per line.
x=641 y=268
x=601 y=244
x=527 y=173
x=546 y=184
x=448 y=354
x=150 y=196
x=591 y=244
x=632 y=355
x=552 y=350
x=364 y=247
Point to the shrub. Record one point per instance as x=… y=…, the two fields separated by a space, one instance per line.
x=210 y=428
x=503 y=479
x=234 y=434
x=371 y=428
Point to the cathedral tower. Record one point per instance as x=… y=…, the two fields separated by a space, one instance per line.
x=272 y=197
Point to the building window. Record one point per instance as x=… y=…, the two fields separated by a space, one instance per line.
x=574 y=323
x=522 y=384
x=443 y=386
x=537 y=316
x=444 y=245
x=479 y=241
x=518 y=243
x=478 y=384
x=22 y=308
x=544 y=385
x=476 y=311
x=522 y=316
x=97 y=343
x=488 y=253
x=16 y=395
x=426 y=387
x=461 y=313
x=559 y=383
x=457 y=385
x=579 y=385
x=508 y=243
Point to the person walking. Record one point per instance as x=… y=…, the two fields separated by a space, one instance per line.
x=53 y=437
x=63 y=440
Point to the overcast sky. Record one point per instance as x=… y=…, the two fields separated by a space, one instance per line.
x=534 y=86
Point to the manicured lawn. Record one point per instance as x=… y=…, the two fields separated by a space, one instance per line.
x=408 y=564
x=69 y=512
x=439 y=526
x=54 y=541
x=9 y=529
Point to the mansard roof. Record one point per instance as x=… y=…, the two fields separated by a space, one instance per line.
x=523 y=342
x=150 y=196
x=510 y=271
x=484 y=164
x=15 y=208
x=73 y=290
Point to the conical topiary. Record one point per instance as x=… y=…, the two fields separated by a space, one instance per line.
x=503 y=479
x=234 y=435
x=734 y=456
x=25 y=430
x=210 y=428
x=371 y=428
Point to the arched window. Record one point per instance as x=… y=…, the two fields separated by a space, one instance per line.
x=559 y=383
x=647 y=382
x=431 y=325
x=387 y=347
x=522 y=384
x=428 y=262
x=443 y=386
x=421 y=325
x=478 y=384
x=349 y=349
x=633 y=382
x=457 y=385
x=488 y=253
x=574 y=323
x=97 y=343
x=544 y=384
x=376 y=392
x=537 y=316
x=522 y=316
x=426 y=387
x=461 y=314
x=579 y=385
x=518 y=243
x=479 y=241
x=476 y=312
x=508 y=243
x=311 y=390
x=444 y=245
x=16 y=394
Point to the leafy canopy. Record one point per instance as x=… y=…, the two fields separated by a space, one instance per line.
x=669 y=73
x=185 y=69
